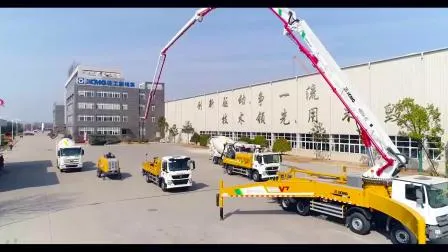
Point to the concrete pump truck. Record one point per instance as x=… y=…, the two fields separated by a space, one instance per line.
x=414 y=209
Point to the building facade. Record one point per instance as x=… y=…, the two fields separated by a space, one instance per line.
x=58 y=117
x=290 y=108
x=101 y=101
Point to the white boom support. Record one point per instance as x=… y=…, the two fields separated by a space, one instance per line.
x=371 y=130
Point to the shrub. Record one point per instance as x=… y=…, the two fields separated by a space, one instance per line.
x=281 y=145
x=260 y=140
x=195 y=138
x=203 y=140
x=246 y=139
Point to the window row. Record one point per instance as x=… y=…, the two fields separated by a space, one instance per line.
x=99 y=130
x=102 y=118
x=102 y=94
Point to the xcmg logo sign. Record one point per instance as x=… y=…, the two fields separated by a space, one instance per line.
x=98 y=82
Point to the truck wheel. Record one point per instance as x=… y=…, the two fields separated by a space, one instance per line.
x=220 y=161
x=303 y=207
x=163 y=186
x=229 y=170
x=98 y=173
x=143 y=172
x=255 y=176
x=215 y=160
x=147 y=178
x=358 y=223
x=401 y=235
x=287 y=204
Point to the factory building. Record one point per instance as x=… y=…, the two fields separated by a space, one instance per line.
x=289 y=108
x=101 y=101
x=58 y=118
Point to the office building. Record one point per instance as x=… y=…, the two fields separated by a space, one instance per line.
x=101 y=101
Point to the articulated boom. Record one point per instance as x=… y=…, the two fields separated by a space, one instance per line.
x=372 y=133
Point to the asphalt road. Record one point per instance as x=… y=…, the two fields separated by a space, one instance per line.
x=38 y=204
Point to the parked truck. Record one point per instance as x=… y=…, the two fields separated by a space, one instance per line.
x=108 y=166
x=69 y=155
x=415 y=208
x=169 y=172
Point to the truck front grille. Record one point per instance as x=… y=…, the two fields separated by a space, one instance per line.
x=180 y=182
x=271 y=168
x=442 y=220
x=184 y=176
x=271 y=172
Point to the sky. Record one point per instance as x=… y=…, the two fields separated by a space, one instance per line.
x=230 y=48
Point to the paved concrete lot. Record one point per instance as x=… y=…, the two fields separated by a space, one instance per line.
x=38 y=204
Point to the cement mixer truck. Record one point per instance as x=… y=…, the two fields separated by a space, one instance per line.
x=244 y=159
x=69 y=156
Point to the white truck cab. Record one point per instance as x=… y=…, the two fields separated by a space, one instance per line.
x=267 y=164
x=429 y=197
x=69 y=156
x=177 y=171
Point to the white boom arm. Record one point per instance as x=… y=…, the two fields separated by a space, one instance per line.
x=371 y=130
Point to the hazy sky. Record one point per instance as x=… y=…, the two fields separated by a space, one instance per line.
x=231 y=48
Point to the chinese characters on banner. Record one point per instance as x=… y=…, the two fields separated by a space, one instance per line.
x=311 y=95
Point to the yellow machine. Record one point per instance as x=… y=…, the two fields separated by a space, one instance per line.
x=241 y=159
x=107 y=166
x=339 y=196
x=169 y=172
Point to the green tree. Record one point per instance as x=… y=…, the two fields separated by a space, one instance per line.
x=281 y=145
x=188 y=129
x=246 y=140
x=163 y=126
x=203 y=140
x=260 y=140
x=173 y=132
x=195 y=138
x=320 y=139
x=417 y=122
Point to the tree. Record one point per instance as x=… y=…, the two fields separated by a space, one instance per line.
x=163 y=126
x=416 y=122
x=260 y=140
x=203 y=140
x=281 y=145
x=173 y=131
x=195 y=138
x=320 y=139
x=246 y=140
x=188 y=129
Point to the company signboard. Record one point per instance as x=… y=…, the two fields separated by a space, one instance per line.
x=99 y=82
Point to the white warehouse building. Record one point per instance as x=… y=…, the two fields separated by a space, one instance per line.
x=287 y=108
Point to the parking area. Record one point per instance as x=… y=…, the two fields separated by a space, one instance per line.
x=38 y=204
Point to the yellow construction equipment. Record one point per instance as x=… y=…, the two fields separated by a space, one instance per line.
x=108 y=166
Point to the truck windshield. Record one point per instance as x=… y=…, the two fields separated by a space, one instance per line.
x=270 y=159
x=70 y=152
x=438 y=195
x=178 y=165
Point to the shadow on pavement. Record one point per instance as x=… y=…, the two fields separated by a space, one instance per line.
x=19 y=175
x=251 y=212
x=18 y=209
x=86 y=166
x=124 y=175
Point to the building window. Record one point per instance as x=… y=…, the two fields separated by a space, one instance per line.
x=124 y=106
x=108 y=106
x=108 y=118
x=88 y=130
x=125 y=118
x=153 y=119
x=85 y=105
x=153 y=108
x=108 y=130
x=125 y=95
x=86 y=118
x=107 y=94
x=142 y=96
x=86 y=93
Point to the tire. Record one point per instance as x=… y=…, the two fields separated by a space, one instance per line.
x=98 y=173
x=401 y=235
x=255 y=176
x=147 y=178
x=229 y=170
x=302 y=207
x=287 y=204
x=163 y=186
x=215 y=160
x=358 y=223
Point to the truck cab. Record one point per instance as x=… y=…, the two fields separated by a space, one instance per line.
x=70 y=158
x=177 y=171
x=429 y=197
x=267 y=164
